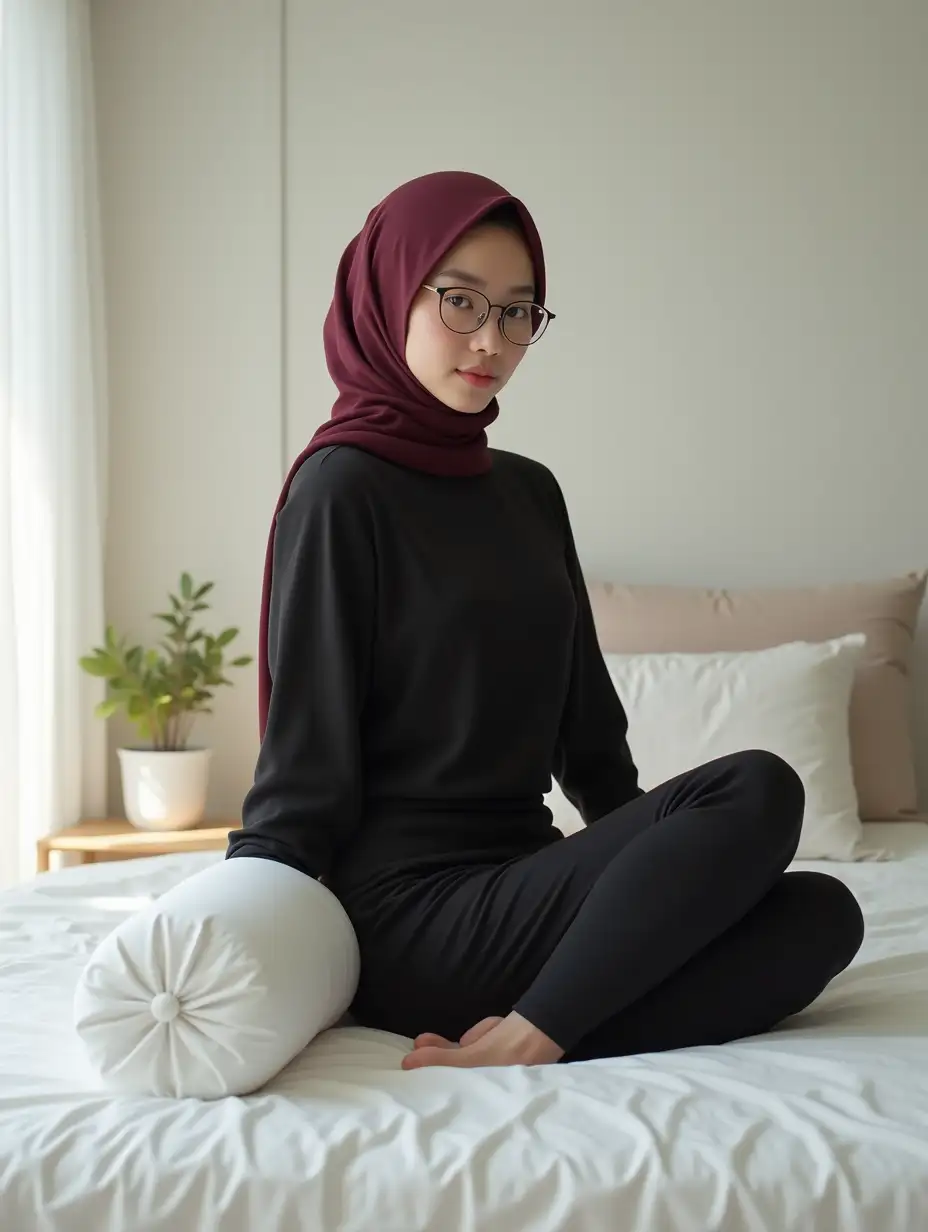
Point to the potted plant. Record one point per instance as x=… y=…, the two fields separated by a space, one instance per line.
x=162 y=691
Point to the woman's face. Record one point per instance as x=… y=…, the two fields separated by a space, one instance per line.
x=496 y=261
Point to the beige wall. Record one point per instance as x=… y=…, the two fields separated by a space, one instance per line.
x=733 y=201
x=188 y=108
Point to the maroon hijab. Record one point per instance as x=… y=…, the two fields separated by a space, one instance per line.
x=381 y=407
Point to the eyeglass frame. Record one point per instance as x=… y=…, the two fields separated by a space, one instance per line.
x=441 y=292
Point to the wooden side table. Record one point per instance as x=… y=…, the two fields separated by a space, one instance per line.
x=117 y=839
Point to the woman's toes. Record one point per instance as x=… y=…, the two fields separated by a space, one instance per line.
x=429 y=1039
x=479 y=1031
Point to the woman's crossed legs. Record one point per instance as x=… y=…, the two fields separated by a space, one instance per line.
x=668 y=923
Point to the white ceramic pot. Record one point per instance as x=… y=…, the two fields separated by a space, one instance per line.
x=164 y=790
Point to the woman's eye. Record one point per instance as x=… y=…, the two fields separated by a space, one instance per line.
x=516 y=312
x=458 y=301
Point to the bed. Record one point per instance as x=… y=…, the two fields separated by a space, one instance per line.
x=822 y=1124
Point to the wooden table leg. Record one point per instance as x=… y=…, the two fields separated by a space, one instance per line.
x=41 y=856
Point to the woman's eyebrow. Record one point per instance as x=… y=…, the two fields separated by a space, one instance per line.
x=464 y=279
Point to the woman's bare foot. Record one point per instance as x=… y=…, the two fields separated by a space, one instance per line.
x=429 y=1039
x=510 y=1041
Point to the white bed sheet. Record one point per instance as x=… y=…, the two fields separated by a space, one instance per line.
x=820 y=1125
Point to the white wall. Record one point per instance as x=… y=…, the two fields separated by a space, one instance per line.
x=732 y=199
x=188 y=110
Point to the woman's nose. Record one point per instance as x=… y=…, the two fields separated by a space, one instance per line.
x=488 y=337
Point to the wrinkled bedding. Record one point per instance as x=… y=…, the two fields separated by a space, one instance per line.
x=822 y=1124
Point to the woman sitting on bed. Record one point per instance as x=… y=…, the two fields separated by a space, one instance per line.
x=429 y=661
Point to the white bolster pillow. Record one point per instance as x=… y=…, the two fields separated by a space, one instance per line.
x=215 y=986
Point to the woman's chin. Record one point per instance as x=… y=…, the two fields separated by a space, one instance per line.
x=466 y=400
x=468 y=410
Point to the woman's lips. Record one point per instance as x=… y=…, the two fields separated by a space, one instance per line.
x=479 y=379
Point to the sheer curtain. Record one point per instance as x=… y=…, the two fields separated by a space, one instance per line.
x=52 y=428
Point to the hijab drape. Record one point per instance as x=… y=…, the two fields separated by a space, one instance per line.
x=381 y=407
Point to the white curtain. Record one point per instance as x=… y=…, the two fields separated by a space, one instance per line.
x=53 y=405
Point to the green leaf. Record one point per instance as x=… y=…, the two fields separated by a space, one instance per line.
x=101 y=664
x=157 y=686
x=94 y=665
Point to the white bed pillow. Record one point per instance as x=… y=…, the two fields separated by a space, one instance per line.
x=215 y=986
x=793 y=700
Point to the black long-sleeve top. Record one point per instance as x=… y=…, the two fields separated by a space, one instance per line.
x=434 y=663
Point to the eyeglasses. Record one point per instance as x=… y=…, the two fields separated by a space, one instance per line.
x=465 y=310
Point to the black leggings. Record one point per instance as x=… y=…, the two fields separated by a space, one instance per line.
x=667 y=923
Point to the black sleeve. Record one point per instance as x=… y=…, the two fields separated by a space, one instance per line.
x=305 y=802
x=592 y=762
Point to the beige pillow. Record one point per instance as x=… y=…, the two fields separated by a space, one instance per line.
x=637 y=619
